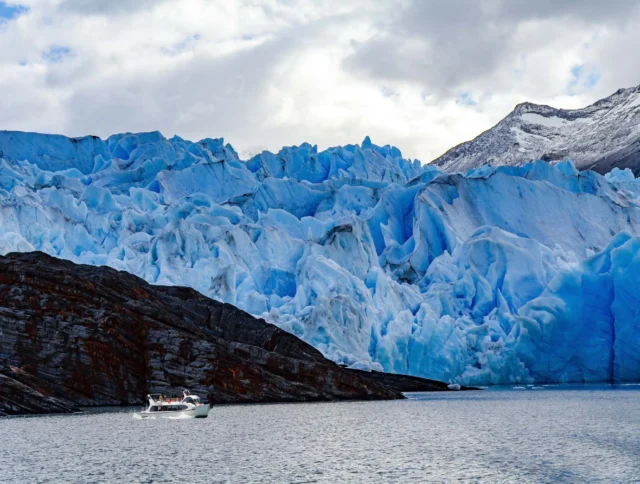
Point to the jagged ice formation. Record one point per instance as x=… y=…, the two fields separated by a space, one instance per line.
x=500 y=275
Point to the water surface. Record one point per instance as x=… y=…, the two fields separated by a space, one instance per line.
x=553 y=434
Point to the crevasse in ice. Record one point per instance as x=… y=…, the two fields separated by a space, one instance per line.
x=499 y=275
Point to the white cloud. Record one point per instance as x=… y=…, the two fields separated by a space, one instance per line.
x=423 y=76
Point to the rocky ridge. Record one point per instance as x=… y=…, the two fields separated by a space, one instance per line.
x=81 y=335
x=599 y=137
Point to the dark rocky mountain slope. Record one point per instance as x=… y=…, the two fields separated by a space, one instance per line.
x=82 y=335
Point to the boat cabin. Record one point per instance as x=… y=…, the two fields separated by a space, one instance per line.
x=157 y=402
x=187 y=405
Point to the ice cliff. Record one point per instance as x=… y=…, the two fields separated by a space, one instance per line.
x=499 y=275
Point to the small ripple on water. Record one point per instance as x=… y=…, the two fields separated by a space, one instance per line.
x=557 y=435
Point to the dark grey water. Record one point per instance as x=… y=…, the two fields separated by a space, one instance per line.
x=589 y=434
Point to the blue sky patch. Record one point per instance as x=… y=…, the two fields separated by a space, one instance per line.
x=576 y=71
x=183 y=45
x=11 y=11
x=388 y=92
x=57 y=53
x=582 y=78
x=466 y=99
x=591 y=79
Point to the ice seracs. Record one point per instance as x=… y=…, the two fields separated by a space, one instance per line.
x=509 y=274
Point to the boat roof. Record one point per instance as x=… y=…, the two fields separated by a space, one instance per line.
x=157 y=395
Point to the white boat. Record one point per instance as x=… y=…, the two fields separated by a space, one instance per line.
x=187 y=406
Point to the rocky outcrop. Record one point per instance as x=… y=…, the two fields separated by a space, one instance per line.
x=407 y=383
x=83 y=335
x=20 y=393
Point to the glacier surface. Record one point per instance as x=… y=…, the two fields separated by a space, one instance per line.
x=499 y=275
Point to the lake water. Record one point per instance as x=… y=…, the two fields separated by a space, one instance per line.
x=554 y=434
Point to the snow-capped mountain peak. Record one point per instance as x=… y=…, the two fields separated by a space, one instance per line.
x=599 y=137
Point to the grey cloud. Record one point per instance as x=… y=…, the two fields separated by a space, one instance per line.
x=107 y=7
x=204 y=97
x=443 y=48
x=443 y=45
x=585 y=10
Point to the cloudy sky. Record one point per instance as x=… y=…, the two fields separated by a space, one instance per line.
x=421 y=75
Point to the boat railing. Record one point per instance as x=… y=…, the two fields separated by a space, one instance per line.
x=170 y=399
x=159 y=399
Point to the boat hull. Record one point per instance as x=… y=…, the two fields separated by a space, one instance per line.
x=201 y=411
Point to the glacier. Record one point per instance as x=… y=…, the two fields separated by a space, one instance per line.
x=499 y=275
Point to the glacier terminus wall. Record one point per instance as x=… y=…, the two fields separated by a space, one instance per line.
x=498 y=275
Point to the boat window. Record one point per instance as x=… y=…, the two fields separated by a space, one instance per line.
x=188 y=400
x=153 y=409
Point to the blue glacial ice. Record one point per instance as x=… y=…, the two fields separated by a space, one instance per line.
x=500 y=275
